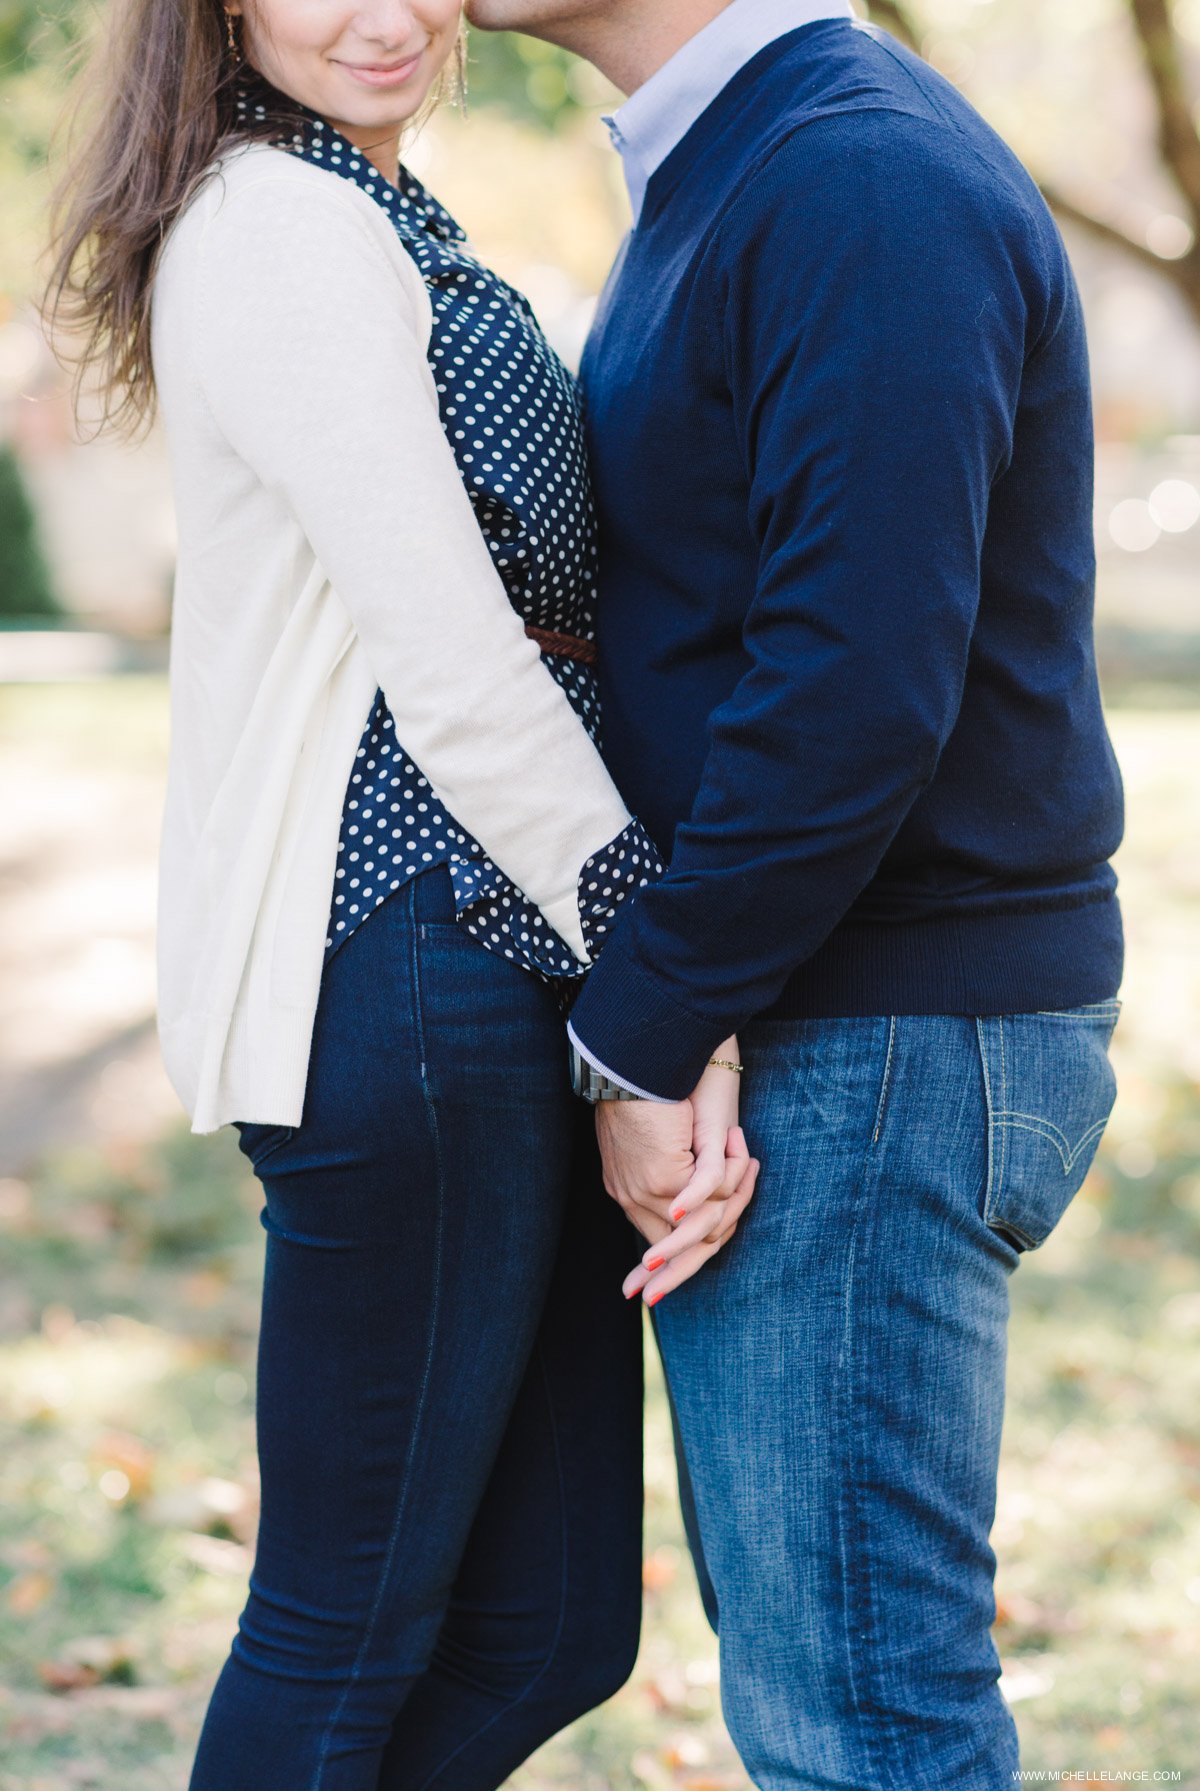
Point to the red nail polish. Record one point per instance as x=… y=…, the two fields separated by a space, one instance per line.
x=654 y=1299
x=632 y=1295
x=678 y=1213
x=656 y=1262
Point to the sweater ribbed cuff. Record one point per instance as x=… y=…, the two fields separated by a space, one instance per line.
x=627 y=1018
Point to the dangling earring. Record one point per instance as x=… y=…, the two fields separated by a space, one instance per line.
x=231 y=37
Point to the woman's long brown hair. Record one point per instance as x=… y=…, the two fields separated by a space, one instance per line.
x=154 y=100
x=151 y=103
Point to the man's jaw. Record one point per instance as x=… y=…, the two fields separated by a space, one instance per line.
x=537 y=18
x=581 y=26
x=627 y=40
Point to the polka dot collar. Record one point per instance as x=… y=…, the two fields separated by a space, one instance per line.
x=410 y=204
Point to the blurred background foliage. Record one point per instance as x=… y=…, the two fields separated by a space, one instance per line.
x=25 y=586
x=130 y=1251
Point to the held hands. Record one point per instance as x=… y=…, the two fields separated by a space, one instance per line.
x=682 y=1172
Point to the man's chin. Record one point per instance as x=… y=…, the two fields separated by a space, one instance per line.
x=553 y=20
x=513 y=15
x=488 y=15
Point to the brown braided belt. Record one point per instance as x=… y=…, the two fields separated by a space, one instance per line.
x=563 y=646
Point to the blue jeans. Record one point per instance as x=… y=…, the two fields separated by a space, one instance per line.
x=449 y=1399
x=837 y=1381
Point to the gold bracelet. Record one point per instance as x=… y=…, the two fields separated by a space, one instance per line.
x=723 y=1063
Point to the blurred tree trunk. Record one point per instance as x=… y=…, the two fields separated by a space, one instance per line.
x=1178 y=113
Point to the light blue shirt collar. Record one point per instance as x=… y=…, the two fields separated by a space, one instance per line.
x=662 y=111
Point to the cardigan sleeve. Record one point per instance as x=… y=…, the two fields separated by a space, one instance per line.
x=873 y=328
x=309 y=352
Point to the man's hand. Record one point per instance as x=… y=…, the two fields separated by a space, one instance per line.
x=646 y=1150
x=682 y=1172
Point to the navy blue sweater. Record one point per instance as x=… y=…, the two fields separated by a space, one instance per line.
x=839 y=414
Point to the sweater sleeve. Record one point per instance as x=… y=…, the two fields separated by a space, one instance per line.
x=873 y=330
x=309 y=353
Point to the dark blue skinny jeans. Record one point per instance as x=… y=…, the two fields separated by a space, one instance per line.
x=449 y=1398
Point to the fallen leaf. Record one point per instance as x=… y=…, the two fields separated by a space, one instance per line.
x=649 y=1771
x=29 y=1591
x=130 y=1455
x=204 y=1287
x=667 y=1691
x=230 y=1560
x=208 y=1504
x=87 y=1661
x=660 y=1568
x=684 y=1751
x=66 y=1676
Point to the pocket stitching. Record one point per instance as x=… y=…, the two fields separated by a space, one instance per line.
x=996 y=1173
x=1045 y=1128
x=1003 y=1106
x=1103 y=1010
x=1000 y=1117
x=989 y=1126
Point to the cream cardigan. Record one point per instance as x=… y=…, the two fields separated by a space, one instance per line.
x=327 y=546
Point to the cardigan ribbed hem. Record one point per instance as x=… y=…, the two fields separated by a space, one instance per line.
x=955 y=964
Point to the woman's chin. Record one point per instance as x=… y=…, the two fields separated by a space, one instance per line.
x=363 y=98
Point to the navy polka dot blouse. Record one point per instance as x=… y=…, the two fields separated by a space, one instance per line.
x=511 y=414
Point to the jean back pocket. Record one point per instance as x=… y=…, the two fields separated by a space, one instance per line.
x=1050 y=1090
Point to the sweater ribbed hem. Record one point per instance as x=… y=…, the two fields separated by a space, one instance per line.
x=630 y=1018
x=962 y=964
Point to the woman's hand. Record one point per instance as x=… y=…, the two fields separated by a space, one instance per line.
x=663 y=1158
x=714 y=1104
x=706 y=1212
x=682 y=1249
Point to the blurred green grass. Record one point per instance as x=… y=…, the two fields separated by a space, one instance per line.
x=129 y=1283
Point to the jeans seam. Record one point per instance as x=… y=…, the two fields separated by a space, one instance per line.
x=881 y=1109
x=423 y=1394
x=854 y=1572
x=552 y=1650
x=989 y=1118
x=1001 y=1109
